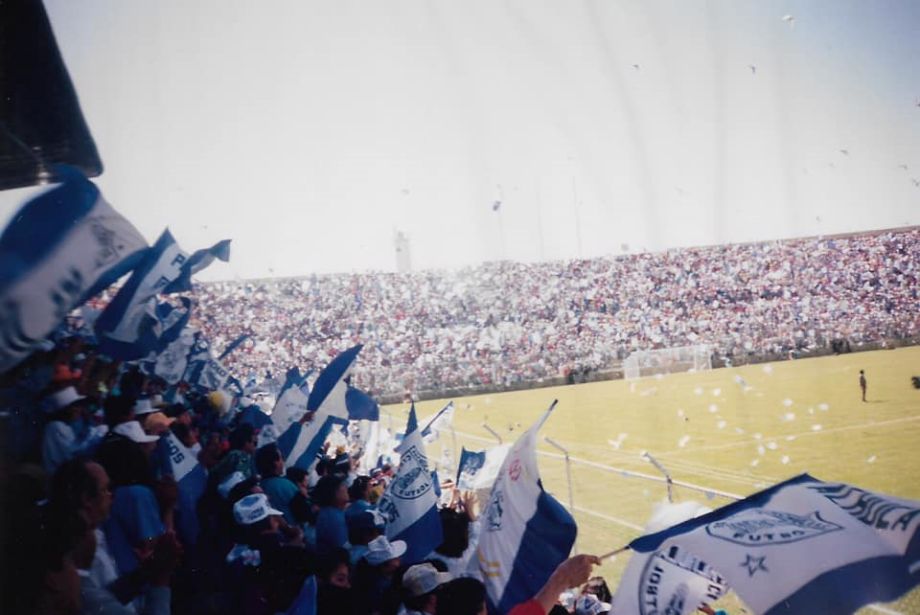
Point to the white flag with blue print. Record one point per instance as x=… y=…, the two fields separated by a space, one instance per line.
x=802 y=546
x=63 y=247
x=410 y=501
x=442 y=421
x=525 y=532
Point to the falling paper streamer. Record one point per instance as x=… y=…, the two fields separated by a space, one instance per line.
x=768 y=369
x=761 y=450
x=787 y=402
x=790 y=438
x=823 y=407
x=659 y=376
x=789 y=416
x=738 y=430
x=755 y=463
x=871 y=459
x=721 y=424
x=713 y=408
x=811 y=411
x=683 y=441
x=816 y=428
x=772 y=446
x=757 y=436
x=785 y=459
x=698 y=390
x=680 y=413
x=716 y=392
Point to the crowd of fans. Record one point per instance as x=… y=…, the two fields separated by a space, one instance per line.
x=94 y=522
x=505 y=323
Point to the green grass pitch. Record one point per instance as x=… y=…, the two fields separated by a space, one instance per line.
x=734 y=430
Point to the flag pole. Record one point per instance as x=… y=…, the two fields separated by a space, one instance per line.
x=667 y=476
x=493 y=432
x=568 y=478
x=613 y=553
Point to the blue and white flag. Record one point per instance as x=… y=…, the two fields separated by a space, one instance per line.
x=333 y=395
x=802 y=546
x=305 y=602
x=125 y=327
x=525 y=532
x=191 y=479
x=301 y=443
x=409 y=503
x=479 y=469
x=441 y=421
x=292 y=400
x=170 y=364
x=62 y=247
x=199 y=260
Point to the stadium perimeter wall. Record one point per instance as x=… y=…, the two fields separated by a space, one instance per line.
x=615 y=372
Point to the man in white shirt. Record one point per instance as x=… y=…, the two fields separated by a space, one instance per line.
x=60 y=442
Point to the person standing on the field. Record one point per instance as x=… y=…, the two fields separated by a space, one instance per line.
x=862 y=383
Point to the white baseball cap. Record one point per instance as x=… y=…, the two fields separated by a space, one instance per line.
x=133 y=431
x=253 y=508
x=143 y=406
x=229 y=483
x=423 y=579
x=381 y=550
x=65 y=397
x=588 y=604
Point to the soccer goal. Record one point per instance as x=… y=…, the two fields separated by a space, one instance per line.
x=667 y=361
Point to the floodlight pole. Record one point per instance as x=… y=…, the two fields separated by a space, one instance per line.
x=493 y=432
x=667 y=476
x=568 y=477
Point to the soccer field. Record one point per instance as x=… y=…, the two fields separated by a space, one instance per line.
x=731 y=430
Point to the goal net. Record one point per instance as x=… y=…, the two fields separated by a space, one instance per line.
x=667 y=361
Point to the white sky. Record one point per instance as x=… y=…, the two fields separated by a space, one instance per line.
x=308 y=132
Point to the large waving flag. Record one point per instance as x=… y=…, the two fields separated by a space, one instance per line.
x=63 y=247
x=526 y=533
x=126 y=328
x=300 y=443
x=410 y=502
x=195 y=263
x=802 y=546
x=335 y=397
x=191 y=478
x=292 y=400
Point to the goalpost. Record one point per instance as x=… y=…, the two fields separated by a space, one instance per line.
x=667 y=361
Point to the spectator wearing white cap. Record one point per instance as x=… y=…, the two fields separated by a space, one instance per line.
x=60 y=442
x=588 y=604
x=420 y=584
x=375 y=573
x=137 y=517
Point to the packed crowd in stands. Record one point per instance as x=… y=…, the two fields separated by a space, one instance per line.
x=93 y=523
x=506 y=323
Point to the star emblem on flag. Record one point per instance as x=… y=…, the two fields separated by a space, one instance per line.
x=754 y=564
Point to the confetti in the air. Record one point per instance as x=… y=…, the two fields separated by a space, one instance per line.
x=758 y=436
x=771 y=445
x=761 y=450
x=768 y=369
x=713 y=408
x=717 y=392
x=680 y=412
x=789 y=416
x=683 y=441
x=816 y=428
x=755 y=463
x=823 y=407
x=721 y=424
x=811 y=411
x=738 y=430
x=698 y=390
x=659 y=376
x=790 y=438
x=787 y=402
x=785 y=459
x=871 y=459
x=632 y=387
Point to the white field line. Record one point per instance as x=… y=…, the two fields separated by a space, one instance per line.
x=883 y=609
x=617 y=520
x=622 y=471
x=751 y=441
